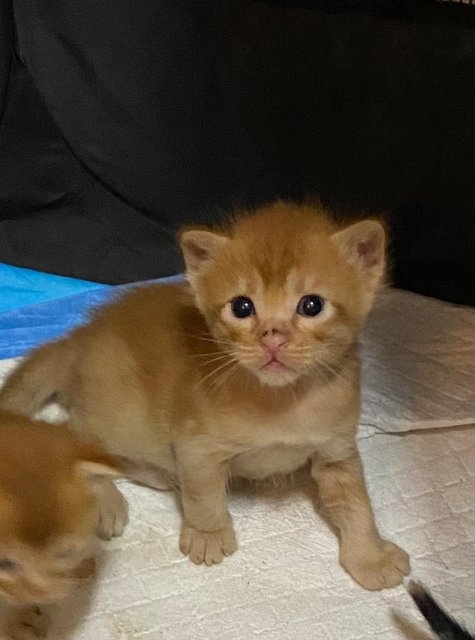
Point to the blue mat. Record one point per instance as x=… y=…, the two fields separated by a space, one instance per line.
x=24 y=328
x=22 y=287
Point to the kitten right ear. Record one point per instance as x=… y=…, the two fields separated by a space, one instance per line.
x=199 y=247
x=364 y=245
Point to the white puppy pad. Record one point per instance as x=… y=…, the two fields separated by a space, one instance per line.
x=285 y=582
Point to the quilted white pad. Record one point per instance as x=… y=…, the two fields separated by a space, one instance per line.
x=418 y=358
x=284 y=582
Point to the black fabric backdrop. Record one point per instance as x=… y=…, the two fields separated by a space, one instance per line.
x=123 y=120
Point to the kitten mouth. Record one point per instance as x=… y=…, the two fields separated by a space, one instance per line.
x=274 y=365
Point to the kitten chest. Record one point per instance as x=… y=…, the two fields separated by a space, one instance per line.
x=281 y=444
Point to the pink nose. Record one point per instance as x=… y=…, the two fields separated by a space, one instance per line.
x=273 y=340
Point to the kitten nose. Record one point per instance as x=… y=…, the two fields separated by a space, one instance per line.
x=273 y=339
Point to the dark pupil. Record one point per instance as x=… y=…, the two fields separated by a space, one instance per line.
x=242 y=307
x=310 y=306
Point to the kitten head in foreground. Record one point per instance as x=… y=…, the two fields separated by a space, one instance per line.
x=47 y=507
x=284 y=290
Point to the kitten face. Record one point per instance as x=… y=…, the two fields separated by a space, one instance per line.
x=42 y=575
x=284 y=291
x=280 y=333
x=48 y=511
x=39 y=569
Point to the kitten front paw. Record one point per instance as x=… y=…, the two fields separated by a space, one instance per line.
x=28 y=623
x=382 y=566
x=207 y=547
x=113 y=512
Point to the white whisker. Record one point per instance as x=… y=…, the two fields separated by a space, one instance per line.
x=218 y=368
x=205 y=338
x=225 y=375
x=318 y=365
x=217 y=359
x=210 y=353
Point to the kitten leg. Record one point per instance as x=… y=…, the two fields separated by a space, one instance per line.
x=112 y=509
x=373 y=562
x=148 y=475
x=28 y=623
x=207 y=534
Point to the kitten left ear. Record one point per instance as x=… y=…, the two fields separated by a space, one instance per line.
x=199 y=247
x=93 y=462
x=364 y=245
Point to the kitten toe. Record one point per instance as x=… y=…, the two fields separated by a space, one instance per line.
x=113 y=511
x=207 y=547
x=383 y=568
x=192 y=544
x=198 y=549
x=229 y=542
x=214 y=553
x=185 y=539
x=28 y=624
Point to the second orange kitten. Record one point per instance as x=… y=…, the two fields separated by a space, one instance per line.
x=56 y=495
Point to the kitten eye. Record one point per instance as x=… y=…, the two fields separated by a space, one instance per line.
x=242 y=307
x=8 y=565
x=311 y=305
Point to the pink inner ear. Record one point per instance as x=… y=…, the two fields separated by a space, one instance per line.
x=200 y=253
x=369 y=251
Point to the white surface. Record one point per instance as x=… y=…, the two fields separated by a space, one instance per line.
x=285 y=583
x=418 y=363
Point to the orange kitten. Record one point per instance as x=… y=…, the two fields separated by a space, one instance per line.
x=54 y=496
x=249 y=370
